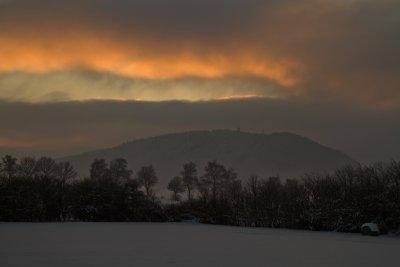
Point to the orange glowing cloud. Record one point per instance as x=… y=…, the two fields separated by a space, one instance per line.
x=308 y=48
x=136 y=60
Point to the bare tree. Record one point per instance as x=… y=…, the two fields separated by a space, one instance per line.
x=66 y=172
x=214 y=175
x=176 y=187
x=147 y=178
x=46 y=167
x=27 y=167
x=119 y=170
x=8 y=166
x=189 y=178
x=98 y=169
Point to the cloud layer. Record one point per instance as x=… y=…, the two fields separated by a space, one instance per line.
x=316 y=48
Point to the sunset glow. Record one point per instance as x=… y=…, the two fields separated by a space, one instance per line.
x=42 y=55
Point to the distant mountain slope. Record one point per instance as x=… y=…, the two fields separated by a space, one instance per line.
x=23 y=152
x=15 y=152
x=285 y=154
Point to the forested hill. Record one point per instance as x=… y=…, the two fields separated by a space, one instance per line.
x=285 y=154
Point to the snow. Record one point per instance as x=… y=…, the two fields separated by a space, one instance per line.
x=186 y=244
x=373 y=226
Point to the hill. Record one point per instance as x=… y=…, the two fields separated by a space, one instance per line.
x=283 y=154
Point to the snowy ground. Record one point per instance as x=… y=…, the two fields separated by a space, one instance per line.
x=179 y=244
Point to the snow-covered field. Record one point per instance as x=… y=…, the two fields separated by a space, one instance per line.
x=180 y=244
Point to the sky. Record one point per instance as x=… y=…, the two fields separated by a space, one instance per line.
x=79 y=75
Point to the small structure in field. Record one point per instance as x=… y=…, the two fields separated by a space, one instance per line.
x=370 y=229
x=189 y=218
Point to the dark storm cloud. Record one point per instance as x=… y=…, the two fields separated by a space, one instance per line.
x=77 y=126
x=175 y=15
x=149 y=21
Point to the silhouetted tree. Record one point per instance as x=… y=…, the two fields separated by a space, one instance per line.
x=27 y=167
x=213 y=176
x=8 y=166
x=98 y=169
x=252 y=192
x=176 y=187
x=46 y=167
x=65 y=171
x=46 y=190
x=119 y=170
x=147 y=178
x=189 y=178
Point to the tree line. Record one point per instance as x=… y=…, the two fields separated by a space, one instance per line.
x=340 y=201
x=38 y=190
x=45 y=190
